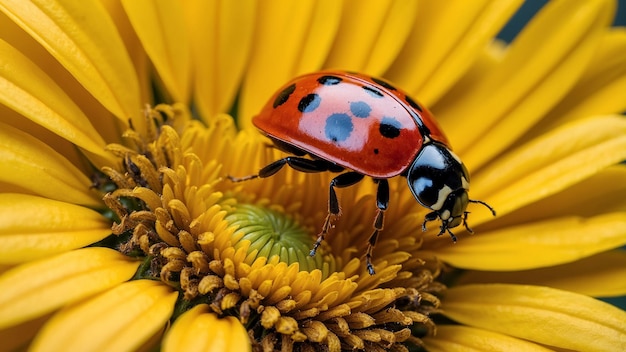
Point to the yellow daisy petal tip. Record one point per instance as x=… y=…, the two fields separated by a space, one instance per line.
x=59 y=280
x=201 y=330
x=129 y=315
x=570 y=315
x=58 y=227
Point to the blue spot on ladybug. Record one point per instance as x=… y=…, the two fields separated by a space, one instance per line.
x=329 y=80
x=390 y=127
x=284 y=95
x=360 y=109
x=309 y=103
x=338 y=127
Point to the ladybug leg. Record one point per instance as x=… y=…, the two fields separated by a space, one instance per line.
x=296 y=163
x=344 y=180
x=445 y=228
x=469 y=229
x=432 y=216
x=382 y=202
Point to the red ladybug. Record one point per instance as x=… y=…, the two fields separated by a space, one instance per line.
x=351 y=121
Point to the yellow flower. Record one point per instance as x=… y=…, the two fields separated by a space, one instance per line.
x=120 y=231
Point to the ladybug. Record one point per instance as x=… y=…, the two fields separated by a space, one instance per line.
x=363 y=126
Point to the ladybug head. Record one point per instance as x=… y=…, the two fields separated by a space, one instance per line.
x=439 y=181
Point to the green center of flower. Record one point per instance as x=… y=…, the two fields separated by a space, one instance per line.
x=273 y=233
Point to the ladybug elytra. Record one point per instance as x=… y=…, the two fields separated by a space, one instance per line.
x=363 y=126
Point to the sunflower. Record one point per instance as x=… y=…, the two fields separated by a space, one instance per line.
x=120 y=231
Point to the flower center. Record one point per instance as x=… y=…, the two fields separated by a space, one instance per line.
x=273 y=233
x=172 y=208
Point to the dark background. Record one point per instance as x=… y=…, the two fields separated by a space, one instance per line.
x=530 y=7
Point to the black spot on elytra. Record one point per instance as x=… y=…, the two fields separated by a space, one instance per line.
x=329 y=80
x=390 y=127
x=413 y=104
x=383 y=83
x=309 y=103
x=338 y=127
x=375 y=150
x=373 y=91
x=360 y=109
x=284 y=95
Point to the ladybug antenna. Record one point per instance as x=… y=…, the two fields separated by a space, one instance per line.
x=485 y=204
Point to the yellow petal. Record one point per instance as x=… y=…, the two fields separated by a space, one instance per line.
x=446 y=39
x=120 y=319
x=161 y=29
x=370 y=34
x=602 y=275
x=291 y=37
x=16 y=338
x=552 y=163
x=608 y=195
x=464 y=338
x=83 y=38
x=535 y=245
x=64 y=147
x=541 y=65
x=392 y=36
x=485 y=63
x=324 y=24
x=540 y=314
x=98 y=115
x=198 y=329
x=57 y=227
x=36 y=288
x=221 y=39
x=601 y=87
x=30 y=91
x=33 y=166
x=134 y=48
